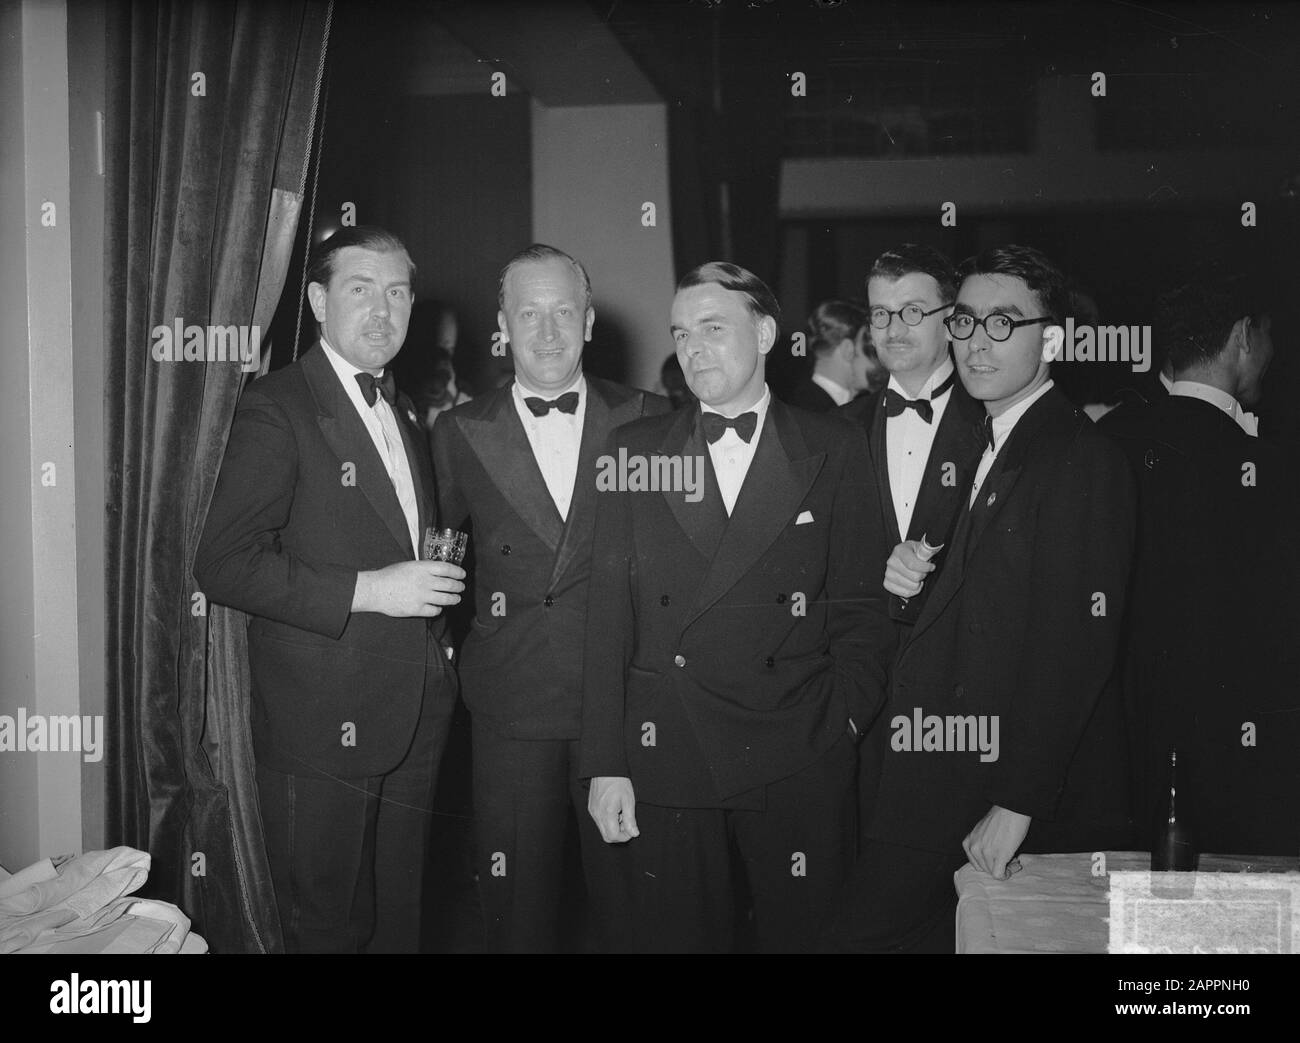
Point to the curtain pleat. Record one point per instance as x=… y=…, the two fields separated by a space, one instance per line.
x=208 y=110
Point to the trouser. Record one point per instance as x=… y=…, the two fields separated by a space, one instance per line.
x=898 y=899
x=347 y=856
x=795 y=855
x=524 y=792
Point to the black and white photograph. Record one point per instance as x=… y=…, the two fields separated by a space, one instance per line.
x=613 y=477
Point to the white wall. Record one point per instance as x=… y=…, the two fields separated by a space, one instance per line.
x=40 y=792
x=593 y=169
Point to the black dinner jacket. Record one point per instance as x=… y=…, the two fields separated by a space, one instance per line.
x=1212 y=625
x=726 y=653
x=521 y=664
x=808 y=395
x=302 y=504
x=1013 y=629
x=945 y=483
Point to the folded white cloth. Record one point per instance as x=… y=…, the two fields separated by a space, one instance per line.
x=82 y=906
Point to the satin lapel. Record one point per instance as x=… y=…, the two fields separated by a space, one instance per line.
x=350 y=441
x=600 y=419
x=950 y=578
x=958 y=441
x=778 y=480
x=705 y=520
x=879 y=437
x=499 y=441
x=421 y=466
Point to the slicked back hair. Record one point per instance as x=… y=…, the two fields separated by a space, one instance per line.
x=758 y=298
x=542 y=252
x=1031 y=267
x=833 y=322
x=320 y=262
x=1192 y=321
x=906 y=258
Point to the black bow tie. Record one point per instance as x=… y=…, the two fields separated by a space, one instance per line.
x=715 y=425
x=566 y=403
x=896 y=403
x=988 y=430
x=372 y=386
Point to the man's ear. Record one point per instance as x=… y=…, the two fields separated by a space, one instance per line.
x=1241 y=335
x=501 y=325
x=591 y=318
x=316 y=296
x=848 y=350
x=766 y=334
x=1053 y=338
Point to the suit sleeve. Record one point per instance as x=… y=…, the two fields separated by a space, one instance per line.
x=611 y=622
x=240 y=560
x=1082 y=550
x=453 y=508
x=862 y=638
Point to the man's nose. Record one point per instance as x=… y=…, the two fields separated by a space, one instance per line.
x=548 y=327
x=379 y=304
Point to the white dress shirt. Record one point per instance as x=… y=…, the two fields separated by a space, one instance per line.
x=908 y=440
x=732 y=455
x=1248 y=422
x=840 y=395
x=381 y=423
x=1002 y=426
x=556 y=439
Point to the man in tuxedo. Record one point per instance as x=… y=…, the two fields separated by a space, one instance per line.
x=736 y=640
x=314 y=530
x=924 y=428
x=519 y=464
x=842 y=368
x=1005 y=733
x=1211 y=652
x=925 y=433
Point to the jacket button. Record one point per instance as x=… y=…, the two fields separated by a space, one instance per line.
x=780 y=599
x=959 y=690
x=976 y=628
x=665 y=600
x=769 y=661
x=505 y=548
x=548 y=601
x=680 y=660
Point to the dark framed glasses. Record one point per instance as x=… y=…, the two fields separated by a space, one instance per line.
x=996 y=325
x=911 y=314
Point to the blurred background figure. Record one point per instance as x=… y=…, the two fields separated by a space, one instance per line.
x=1211 y=663
x=437 y=391
x=842 y=367
x=672 y=383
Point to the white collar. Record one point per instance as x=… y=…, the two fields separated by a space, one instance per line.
x=1219 y=398
x=345 y=369
x=760 y=408
x=1003 y=424
x=840 y=395
x=927 y=389
x=579 y=385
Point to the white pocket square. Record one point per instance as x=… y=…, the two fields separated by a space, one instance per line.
x=805 y=517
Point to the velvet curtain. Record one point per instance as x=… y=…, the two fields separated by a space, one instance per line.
x=209 y=119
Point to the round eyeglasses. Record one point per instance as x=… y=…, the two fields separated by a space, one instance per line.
x=911 y=314
x=996 y=325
